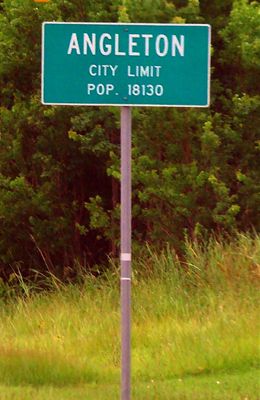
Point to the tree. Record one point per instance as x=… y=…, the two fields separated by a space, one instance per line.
x=194 y=171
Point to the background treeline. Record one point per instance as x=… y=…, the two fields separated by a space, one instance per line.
x=195 y=171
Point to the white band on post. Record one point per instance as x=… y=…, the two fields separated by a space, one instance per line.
x=125 y=279
x=125 y=256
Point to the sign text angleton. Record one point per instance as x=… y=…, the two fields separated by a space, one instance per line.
x=137 y=45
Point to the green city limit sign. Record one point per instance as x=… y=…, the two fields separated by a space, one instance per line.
x=125 y=64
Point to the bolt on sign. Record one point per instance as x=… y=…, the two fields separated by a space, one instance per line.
x=126 y=64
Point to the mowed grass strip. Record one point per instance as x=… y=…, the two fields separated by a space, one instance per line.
x=233 y=386
x=191 y=323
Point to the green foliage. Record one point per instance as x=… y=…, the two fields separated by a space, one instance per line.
x=151 y=11
x=98 y=218
x=243 y=32
x=195 y=172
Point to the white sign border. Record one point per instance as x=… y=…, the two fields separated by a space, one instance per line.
x=123 y=104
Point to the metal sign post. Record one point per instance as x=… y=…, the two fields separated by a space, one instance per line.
x=126 y=231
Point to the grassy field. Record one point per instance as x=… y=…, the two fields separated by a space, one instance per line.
x=195 y=331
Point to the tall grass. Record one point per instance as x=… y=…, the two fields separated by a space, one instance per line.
x=189 y=317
